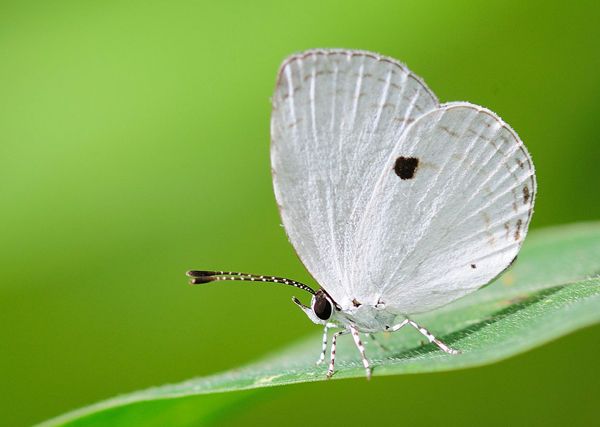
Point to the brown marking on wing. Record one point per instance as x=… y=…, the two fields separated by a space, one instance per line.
x=449 y=132
x=518 y=229
x=526 y=195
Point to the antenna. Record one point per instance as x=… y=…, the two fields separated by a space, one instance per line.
x=200 y=277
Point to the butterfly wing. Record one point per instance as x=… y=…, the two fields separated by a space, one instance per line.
x=457 y=223
x=336 y=115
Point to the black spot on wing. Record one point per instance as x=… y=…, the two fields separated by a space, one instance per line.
x=406 y=167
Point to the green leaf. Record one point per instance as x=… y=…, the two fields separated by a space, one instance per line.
x=552 y=290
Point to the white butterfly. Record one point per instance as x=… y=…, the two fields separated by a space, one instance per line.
x=395 y=203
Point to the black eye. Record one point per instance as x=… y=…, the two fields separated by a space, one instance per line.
x=322 y=307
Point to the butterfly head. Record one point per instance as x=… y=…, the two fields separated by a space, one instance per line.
x=322 y=308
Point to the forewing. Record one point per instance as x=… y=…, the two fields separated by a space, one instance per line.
x=337 y=118
x=453 y=226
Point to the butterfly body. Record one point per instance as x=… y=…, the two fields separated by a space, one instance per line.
x=368 y=318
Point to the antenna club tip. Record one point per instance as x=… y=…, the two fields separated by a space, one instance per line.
x=201 y=280
x=199 y=273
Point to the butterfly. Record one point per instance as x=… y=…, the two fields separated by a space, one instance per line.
x=396 y=203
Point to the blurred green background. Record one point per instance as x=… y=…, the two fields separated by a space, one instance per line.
x=134 y=146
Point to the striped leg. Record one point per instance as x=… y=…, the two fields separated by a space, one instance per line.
x=399 y=325
x=431 y=338
x=324 y=349
x=361 y=349
x=333 y=344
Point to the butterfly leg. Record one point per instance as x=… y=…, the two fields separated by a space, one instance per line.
x=333 y=344
x=361 y=349
x=377 y=343
x=324 y=348
x=431 y=338
x=399 y=325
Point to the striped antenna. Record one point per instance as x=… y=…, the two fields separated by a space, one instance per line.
x=199 y=277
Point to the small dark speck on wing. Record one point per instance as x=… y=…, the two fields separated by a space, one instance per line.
x=526 y=194
x=518 y=229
